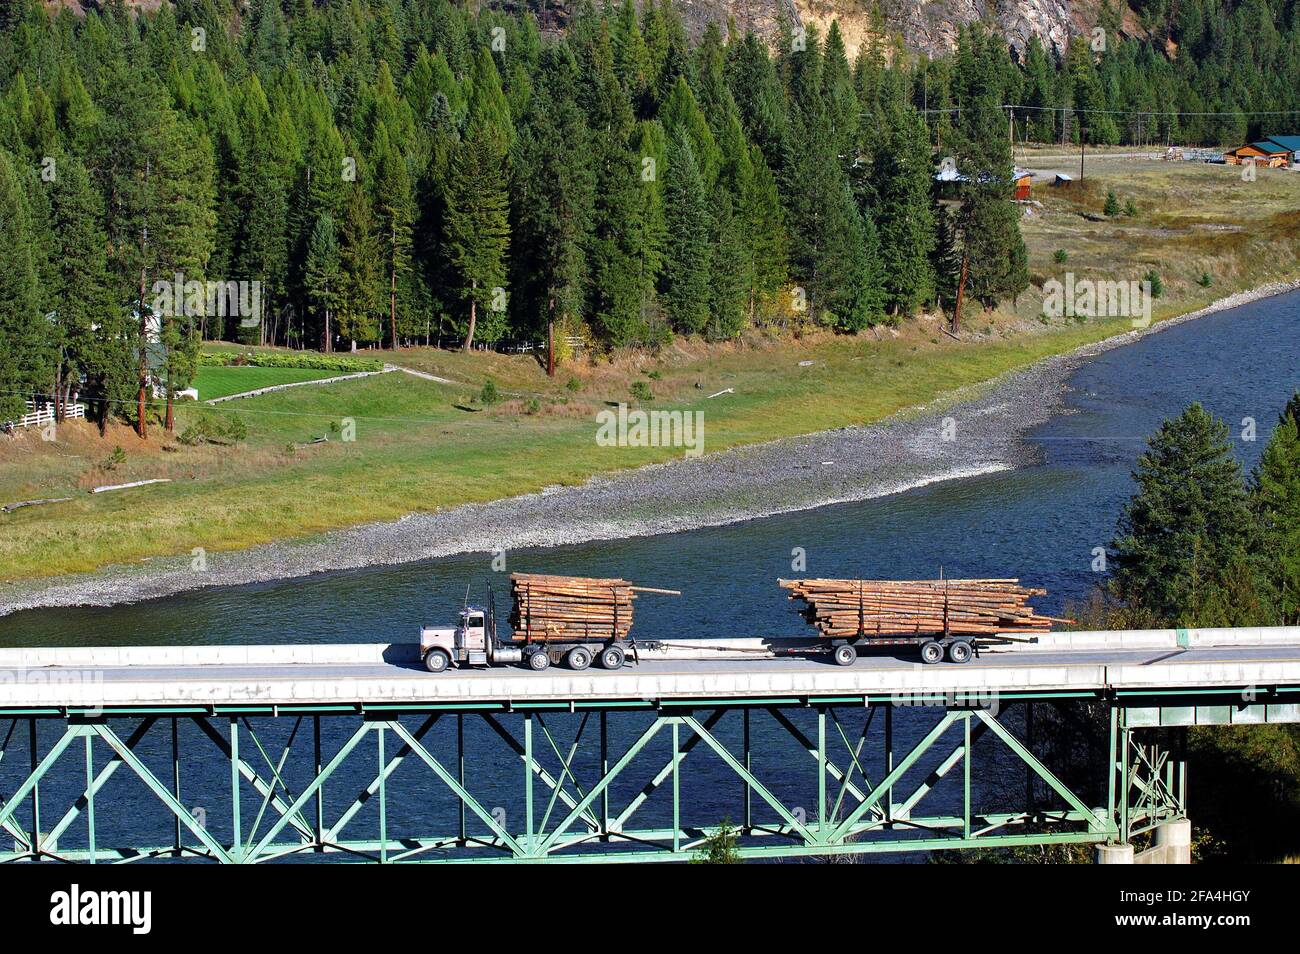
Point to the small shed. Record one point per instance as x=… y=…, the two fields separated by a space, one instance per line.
x=1023 y=181
x=1262 y=153
x=1062 y=179
x=1289 y=143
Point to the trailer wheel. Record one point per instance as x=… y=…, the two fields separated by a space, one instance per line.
x=436 y=660
x=612 y=657
x=959 y=651
x=539 y=661
x=931 y=652
x=846 y=655
x=579 y=657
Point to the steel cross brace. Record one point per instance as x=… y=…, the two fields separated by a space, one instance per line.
x=260 y=785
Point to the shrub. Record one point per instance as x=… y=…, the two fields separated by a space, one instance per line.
x=641 y=391
x=1206 y=280
x=1060 y=256
x=280 y=359
x=1157 y=286
x=1111 y=208
x=1130 y=207
x=214 y=429
x=489 y=395
x=114 y=460
x=573 y=384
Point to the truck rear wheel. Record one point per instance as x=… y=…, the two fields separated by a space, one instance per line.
x=931 y=652
x=612 y=658
x=437 y=660
x=959 y=651
x=539 y=661
x=846 y=655
x=579 y=657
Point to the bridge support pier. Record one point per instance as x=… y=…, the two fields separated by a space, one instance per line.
x=1173 y=844
x=1175 y=837
x=1121 y=854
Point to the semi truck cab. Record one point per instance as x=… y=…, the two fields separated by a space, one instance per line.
x=472 y=642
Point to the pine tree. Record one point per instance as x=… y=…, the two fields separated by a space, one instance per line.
x=361 y=291
x=80 y=290
x=988 y=222
x=1276 y=501
x=324 y=277
x=686 y=273
x=24 y=355
x=904 y=216
x=555 y=195
x=764 y=225
x=395 y=204
x=730 y=280
x=1185 y=537
x=477 y=227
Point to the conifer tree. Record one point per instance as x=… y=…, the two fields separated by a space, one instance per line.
x=476 y=226
x=1275 y=498
x=903 y=177
x=324 y=277
x=1186 y=534
x=686 y=292
x=24 y=358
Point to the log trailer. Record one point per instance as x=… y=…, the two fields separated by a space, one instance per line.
x=577 y=621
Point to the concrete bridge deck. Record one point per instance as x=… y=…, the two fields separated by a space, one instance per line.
x=1220 y=663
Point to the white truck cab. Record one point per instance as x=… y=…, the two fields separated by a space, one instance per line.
x=468 y=643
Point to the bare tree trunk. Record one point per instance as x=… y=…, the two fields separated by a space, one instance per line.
x=171 y=423
x=473 y=316
x=550 y=338
x=961 y=291
x=392 y=288
x=140 y=427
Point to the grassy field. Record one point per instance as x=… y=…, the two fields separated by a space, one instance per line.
x=421 y=445
x=215 y=382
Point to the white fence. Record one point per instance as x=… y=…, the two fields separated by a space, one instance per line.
x=42 y=414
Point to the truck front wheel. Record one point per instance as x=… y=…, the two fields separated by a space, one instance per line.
x=436 y=660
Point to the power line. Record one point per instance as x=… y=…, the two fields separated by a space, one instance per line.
x=1130 y=112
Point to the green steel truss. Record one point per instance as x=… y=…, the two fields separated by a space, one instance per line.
x=585 y=781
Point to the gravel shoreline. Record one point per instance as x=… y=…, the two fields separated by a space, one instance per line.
x=965 y=433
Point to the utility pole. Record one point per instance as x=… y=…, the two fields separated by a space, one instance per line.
x=1083 y=138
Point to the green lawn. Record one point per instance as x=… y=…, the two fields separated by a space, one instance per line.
x=215 y=382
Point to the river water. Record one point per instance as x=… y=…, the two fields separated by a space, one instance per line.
x=1041 y=523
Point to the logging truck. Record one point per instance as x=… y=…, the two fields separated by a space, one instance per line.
x=579 y=621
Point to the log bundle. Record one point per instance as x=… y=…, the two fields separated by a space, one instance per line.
x=897 y=608
x=577 y=608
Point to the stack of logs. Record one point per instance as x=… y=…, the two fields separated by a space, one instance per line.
x=893 y=608
x=572 y=607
